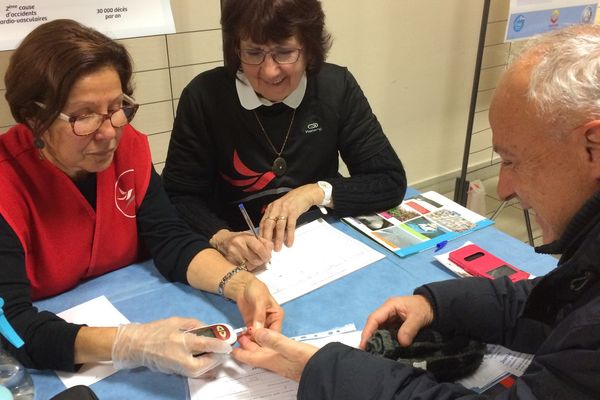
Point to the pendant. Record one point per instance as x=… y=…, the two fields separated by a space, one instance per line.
x=279 y=166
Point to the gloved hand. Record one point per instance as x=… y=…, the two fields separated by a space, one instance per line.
x=164 y=346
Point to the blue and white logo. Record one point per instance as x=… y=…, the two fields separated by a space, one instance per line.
x=519 y=23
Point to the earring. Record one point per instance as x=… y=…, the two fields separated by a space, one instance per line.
x=39 y=144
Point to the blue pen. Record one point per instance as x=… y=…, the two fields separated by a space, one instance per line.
x=248 y=220
x=440 y=245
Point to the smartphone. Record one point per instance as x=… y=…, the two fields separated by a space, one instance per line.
x=478 y=262
x=220 y=331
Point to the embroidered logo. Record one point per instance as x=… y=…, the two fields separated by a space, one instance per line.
x=312 y=128
x=125 y=193
x=252 y=180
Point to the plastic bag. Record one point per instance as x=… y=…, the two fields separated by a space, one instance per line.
x=476 y=197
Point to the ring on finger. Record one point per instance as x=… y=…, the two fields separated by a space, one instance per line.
x=280 y=218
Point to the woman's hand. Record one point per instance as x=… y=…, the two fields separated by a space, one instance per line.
x=243 y=247
x=410 y=313
x=257 y=306
x=270 y=350
x=279 y=221
x=165 y=347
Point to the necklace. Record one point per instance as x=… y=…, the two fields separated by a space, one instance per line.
x=279 y=164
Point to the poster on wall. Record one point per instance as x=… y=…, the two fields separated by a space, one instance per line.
x=531 y=17
x=115 y=18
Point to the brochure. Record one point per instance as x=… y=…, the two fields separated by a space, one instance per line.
x=418 y=223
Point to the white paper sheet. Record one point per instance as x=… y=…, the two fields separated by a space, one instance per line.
x=497 y=363
x=97 y=312
x=233 y=381
x=320 y=255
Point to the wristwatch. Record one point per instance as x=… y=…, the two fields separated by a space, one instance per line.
x=326 y=187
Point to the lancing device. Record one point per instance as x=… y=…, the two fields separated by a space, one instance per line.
x=219 y=331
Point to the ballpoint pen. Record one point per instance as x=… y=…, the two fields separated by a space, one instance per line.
x=248 y=220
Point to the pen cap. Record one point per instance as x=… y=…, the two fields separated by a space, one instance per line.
x=7 y=330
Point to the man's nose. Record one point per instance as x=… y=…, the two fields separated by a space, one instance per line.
x=505 y=188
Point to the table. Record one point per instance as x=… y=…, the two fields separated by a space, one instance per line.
x=143 y=295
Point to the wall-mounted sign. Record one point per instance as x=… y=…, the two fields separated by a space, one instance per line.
x=115 y=18
x=530 y=17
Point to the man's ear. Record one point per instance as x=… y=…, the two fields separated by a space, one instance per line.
x=592 y=139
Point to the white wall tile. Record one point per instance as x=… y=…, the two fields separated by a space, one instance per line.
x=181 y=76
x=152 y=86
x=195 y=47
x=4 y=58
x=484 y=97
x=481 y=141
x=480 y=121
x=495 y=33
x=490 y=76
x=495 y=55
x=147 y=52
x=6 y=118
x=195 y=15
x=159 y=144
x=154 y=118
x=498 y=10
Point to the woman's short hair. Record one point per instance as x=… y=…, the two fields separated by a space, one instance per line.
x=50 y=60
x=264 y=21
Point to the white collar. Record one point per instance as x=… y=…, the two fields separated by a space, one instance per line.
x=250 y=100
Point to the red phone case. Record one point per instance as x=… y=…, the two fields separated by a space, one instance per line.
x=478 y=262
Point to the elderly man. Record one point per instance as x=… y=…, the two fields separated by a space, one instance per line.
x=545 y=118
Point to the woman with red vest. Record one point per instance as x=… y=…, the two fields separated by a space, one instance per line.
x=80 y=198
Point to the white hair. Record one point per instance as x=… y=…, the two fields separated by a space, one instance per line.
x=565 y=73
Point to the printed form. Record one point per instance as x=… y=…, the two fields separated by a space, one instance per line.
x=241 y=382
x=320 y=255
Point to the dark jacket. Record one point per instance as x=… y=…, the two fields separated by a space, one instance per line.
x=556 y=317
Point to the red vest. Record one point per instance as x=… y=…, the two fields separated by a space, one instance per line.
x=63 y=238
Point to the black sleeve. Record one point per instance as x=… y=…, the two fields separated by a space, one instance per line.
x=339 y=372
x=167 y=237
x=485 y=309
x=49 y=340
x=188 y=176
x=375 y=184
x=377 y=178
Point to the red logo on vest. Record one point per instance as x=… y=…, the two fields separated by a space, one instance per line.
x=125 y=193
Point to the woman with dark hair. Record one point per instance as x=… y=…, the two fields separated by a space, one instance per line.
x=266 y=130
x=80 y=198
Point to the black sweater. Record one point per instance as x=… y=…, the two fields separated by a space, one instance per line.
x=218 y=155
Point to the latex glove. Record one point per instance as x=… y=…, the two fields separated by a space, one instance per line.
x=243 y=247
x=270 y=350
x=279 y=221
x=409 y=313
x=164 y=346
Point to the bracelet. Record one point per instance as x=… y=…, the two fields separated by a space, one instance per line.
x=228 y=276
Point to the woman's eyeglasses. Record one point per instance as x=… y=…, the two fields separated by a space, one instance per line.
x=83 y=125
x=279 y=55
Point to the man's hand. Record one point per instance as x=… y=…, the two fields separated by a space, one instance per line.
x=410 y=313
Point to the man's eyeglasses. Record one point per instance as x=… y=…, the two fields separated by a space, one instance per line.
x=279 y=55
x=83 y=125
